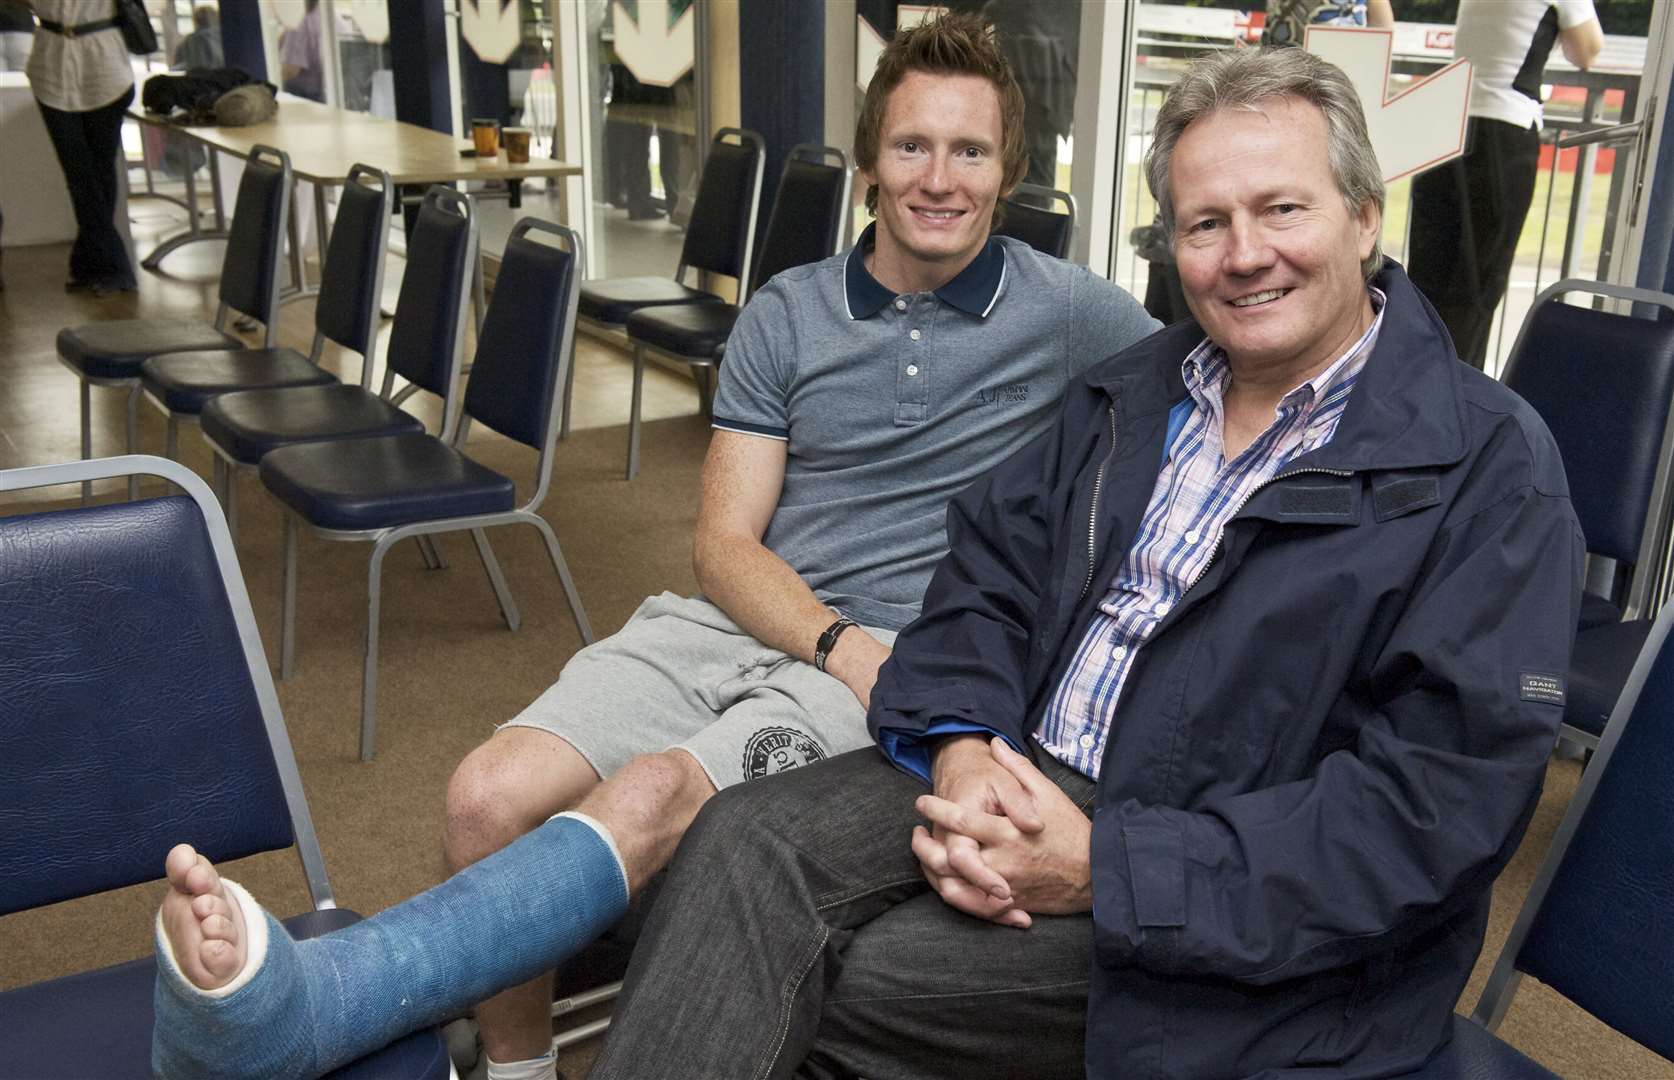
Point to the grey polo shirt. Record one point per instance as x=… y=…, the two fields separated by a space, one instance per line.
x=890 y=405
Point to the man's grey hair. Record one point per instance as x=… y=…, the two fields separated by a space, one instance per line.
x=1244 y=79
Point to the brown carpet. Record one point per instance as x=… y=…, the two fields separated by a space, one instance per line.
x=450 y=670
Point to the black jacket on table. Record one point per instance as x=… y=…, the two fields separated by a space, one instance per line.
x=1329 y=747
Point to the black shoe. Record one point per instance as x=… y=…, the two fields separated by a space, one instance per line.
x=75 y=285
x=644 y=213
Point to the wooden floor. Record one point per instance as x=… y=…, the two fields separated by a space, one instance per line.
x=379 y=820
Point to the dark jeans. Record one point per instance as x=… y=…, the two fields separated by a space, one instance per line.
x=88 y=144
x=1466 y=217
x=795 y=936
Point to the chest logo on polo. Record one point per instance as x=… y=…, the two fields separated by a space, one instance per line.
x=776 y=750
x=1004 y=394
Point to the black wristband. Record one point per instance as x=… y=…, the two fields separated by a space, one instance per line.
x=828 y=641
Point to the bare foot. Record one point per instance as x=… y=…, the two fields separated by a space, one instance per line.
x=203 y=923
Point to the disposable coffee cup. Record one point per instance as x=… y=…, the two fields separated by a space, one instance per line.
x=485 y=134
x=517 y=144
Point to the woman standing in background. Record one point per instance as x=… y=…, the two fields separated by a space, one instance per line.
x=83 y=82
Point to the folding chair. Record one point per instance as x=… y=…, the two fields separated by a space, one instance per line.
x=720 y=238
x=1028 y=216
x=805 y=225
x=1603 y=382
x=1597 y=925
x=345 y=312
x=384 y=490
x=136 y=711
x=111 y=353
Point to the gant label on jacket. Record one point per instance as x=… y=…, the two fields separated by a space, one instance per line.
x=1548 y=689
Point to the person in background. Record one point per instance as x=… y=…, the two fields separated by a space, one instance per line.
x=83 y=82
x=17 y=31
x=1467 y=214
x=299 y=57
x=202 y=47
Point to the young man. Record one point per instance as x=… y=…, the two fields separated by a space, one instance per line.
x=859 y=394
x=1234 y=692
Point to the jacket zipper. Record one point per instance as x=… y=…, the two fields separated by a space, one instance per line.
x=1093 y=513
x=1220 y=543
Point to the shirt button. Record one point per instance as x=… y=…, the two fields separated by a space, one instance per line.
x=1162 y=607
x=915 y=335
x=1086 y=742
x=1118 y=652
x=912 y=369
x=900 y=305
x=1193 y=536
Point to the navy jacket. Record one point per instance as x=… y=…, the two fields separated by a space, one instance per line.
x=1327 y=750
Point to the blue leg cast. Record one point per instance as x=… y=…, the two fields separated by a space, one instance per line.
x=315 y=1005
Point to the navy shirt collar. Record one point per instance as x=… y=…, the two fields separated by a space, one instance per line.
x=973 y=290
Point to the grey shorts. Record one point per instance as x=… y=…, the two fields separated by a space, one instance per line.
x=682 y=674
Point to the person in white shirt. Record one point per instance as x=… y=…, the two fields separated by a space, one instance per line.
x=83 y=82
x=1468 y=213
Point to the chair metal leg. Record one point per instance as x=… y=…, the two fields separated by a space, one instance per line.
x=133 y=436
x=86 y=437
x=287 y=619
x=564 y=578
x=705 y=376
x=633 y=413
x=432 y=552
x=369 y=676
x=491 y=565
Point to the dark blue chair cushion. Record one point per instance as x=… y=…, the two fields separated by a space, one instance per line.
x=1044 y=230
x=98 y=1023
x=1475 y=1054
x=116 y=349
x=693 y=330
x=1596 y=611
x=1598 y=669
x=250 y=423
x=378 y=483
x=515 y=376
x=185 y=381
x=612 y=300
x=343 y=310
x=106 y=693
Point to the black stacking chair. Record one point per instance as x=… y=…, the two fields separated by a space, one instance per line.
x=345 y=312
x=387 y=489
x=719 y=239
x=136 y=712
x=1603 y=382
x=805 y=225
x=1028 y=216
x=1597 y=925
x=110 y=353
x=425 y=345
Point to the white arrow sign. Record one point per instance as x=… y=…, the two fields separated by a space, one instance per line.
x=1421 y=127
x=657 y=53
x=492 y=31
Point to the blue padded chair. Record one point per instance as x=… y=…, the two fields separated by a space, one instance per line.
x=136 y=711
x=805 y=225
x=1603 y=382
x=345 y=312
x=111 y=353
x=720 y=238
x=387 y=489
x=1597 y=925
x=1029 y=216
x=425 y=345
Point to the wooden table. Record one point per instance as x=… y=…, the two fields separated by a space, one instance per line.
x=323 y=143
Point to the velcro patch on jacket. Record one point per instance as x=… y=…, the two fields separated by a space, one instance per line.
x=1541 y=687
x=1398 y=497
x=1330 y=500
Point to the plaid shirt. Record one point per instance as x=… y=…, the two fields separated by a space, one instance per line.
x=1196 y=493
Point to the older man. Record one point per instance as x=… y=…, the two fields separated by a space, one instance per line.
x=1235 y=690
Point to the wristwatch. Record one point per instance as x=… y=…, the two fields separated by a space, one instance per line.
x=828 y=641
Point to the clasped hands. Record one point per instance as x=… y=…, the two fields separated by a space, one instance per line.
x=1003 y=841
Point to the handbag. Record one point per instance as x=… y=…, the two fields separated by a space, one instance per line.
x=135 y=25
